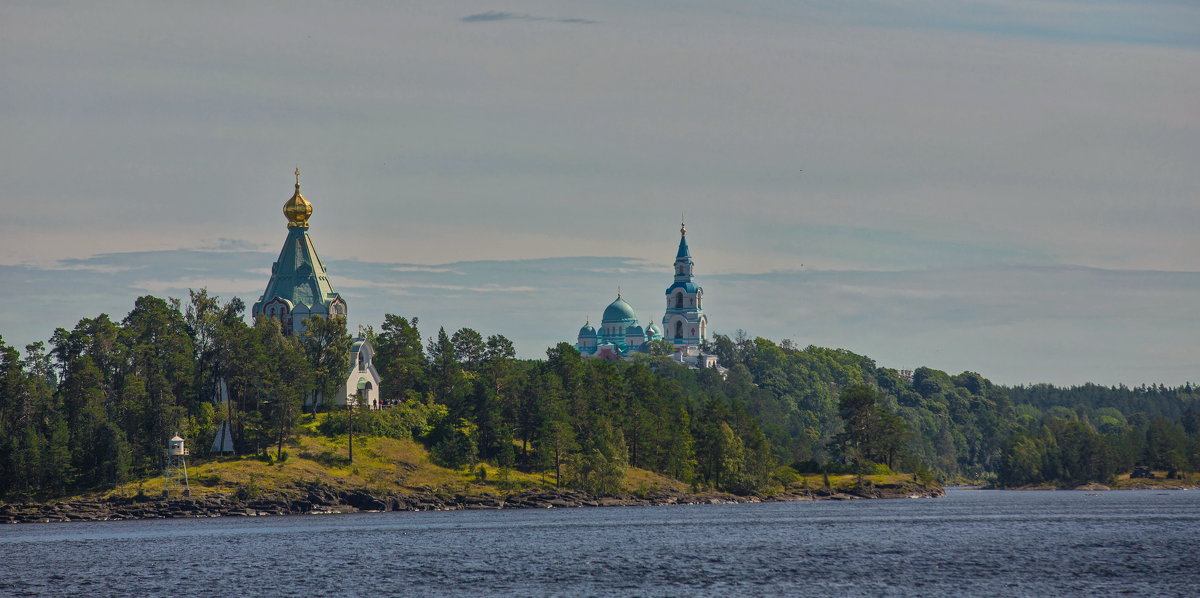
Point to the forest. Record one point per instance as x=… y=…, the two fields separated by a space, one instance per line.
x=92 y=408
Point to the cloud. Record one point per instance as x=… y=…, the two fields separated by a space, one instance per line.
x=1076 y=21
x=224 y=244
x=244 y=287
x=492 y=16
x=410 y=268
x=1013 y=323
x=898 y=149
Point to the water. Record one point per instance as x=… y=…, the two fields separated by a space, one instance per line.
x=971 y=543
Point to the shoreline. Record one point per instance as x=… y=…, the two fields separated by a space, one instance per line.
x=317 y=498
x=1093 y=487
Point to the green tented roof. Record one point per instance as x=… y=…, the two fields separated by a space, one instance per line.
x=298 y=275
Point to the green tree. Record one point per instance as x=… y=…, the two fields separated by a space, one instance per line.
x=469 y=348
x=282 y=385
x=445 y=373
x=660 y=347
x=871 y=432
x=599 y=467
x=400 y=359
x=326 y=346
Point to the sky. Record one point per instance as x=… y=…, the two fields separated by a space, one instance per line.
x=1006 y=187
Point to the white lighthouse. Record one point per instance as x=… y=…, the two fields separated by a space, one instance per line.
x=175 y=467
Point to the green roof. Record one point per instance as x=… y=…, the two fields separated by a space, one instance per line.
x=619 y=311
x=298 y=275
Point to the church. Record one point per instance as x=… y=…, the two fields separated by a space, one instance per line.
x=299 y=285
x=299 y=289
x=684 y=324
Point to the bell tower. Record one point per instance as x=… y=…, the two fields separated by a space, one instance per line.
x=684 y=322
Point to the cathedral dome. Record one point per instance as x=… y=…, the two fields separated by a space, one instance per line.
x=297 y=209
x=619 y=311
x=587 y=331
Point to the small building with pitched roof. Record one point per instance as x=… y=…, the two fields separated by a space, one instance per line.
x=362 y=370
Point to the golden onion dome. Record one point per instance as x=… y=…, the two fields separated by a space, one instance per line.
x=297 y=209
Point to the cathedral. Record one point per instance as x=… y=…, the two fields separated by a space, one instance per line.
x=684 y=324
x=299 y=289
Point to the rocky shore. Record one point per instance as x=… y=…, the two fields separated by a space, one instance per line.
x=318 y=498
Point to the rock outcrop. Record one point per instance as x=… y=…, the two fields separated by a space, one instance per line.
x=319 y=498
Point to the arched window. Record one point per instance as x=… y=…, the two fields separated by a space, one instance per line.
x=679 y=329
x=679 y=300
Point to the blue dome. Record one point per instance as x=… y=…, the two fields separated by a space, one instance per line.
x=619 y=311
x=587 y=330
x=635 y=329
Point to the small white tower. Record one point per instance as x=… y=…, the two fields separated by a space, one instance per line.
x=175 y=467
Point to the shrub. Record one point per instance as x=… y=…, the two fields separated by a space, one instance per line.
x=247 y=491
x=785 y=476
x=208 y=480
x=403 y=422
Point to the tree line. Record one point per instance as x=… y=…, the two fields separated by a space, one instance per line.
x=93 y=407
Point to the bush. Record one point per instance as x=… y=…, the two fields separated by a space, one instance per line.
x=326 y=458
x=247 y=491
x=453 y=451
x=785 y=476
x=403 y=422
x=209 y=480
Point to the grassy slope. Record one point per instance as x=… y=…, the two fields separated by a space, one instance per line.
x=844 y=483
x=1123 y=482
x=380 y=465
x=385 y=465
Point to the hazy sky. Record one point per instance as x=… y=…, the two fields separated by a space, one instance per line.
x=1003 y=187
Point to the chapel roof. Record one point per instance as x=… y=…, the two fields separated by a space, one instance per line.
x=298 y=275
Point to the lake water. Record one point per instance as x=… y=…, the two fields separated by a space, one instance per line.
x=971 y=543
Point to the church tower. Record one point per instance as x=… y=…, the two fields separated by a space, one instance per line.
x=299 y=285
x=684 y=322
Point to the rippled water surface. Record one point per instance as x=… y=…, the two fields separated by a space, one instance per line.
x=972 y=543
